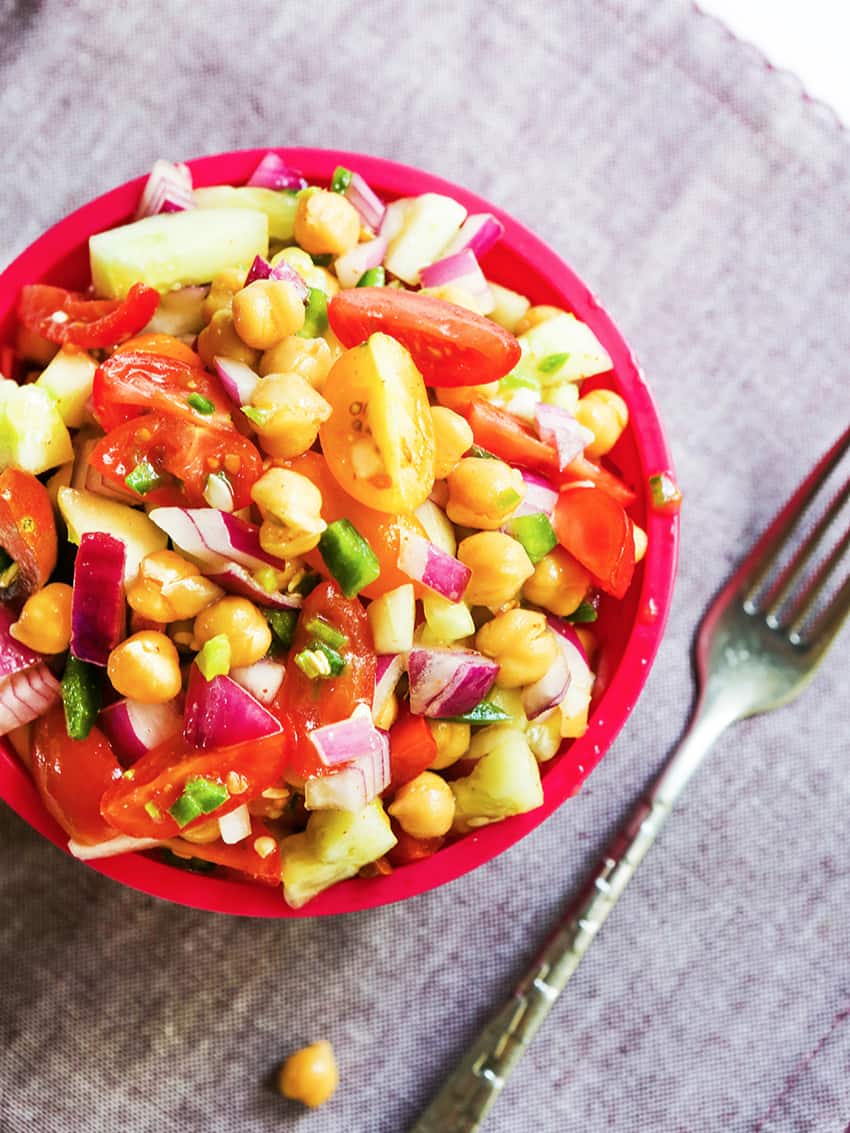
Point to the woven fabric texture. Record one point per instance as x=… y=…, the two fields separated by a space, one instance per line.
x=706 y=201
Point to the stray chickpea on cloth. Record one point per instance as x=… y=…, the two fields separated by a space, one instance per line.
x=310 y=1075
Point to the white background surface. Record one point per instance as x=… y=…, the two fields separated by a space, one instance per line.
x=808 y=37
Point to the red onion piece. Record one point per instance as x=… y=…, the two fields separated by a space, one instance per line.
x=580 y=687
x=167 y=189
x=426 y=563
x=448 y=682
x=352 y=786
x=133 y=728
x=14 y=657
x=221 y=712
x=351 y=266
x=557 y=426
x=236 y=579
x=262 y=679
x=368 y=203
x=123 y=844
x=235 y=826
x=262 y=269
x=97 y=605
x=387 y=675
x=238 y=380
x=274 y=173
x=540 y=496
x=568 y=632
x=549 y=691
x=479 y=232
x=25 y=695
x=459 y=270
x=347 y=739
x=214 y=537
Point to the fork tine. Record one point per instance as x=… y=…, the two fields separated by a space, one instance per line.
x=778 y=593
x=815 y=587
x=832 y=619
x=761 y=559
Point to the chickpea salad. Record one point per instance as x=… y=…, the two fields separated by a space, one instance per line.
x=304 y=524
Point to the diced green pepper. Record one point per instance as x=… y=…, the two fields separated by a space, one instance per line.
x=341 y=179
x=373 y=277
x=316 y=315
x=516 y=380
x=583 y=613
x=282 y=624
x=665 y=493
x=348 y=557
x=200 y=796
x=552 y=362
x=324 y=631
x=482 y=453
x=81 y=697
x=258 y=416
x=200 y=404
x=214 y=658
x=485 y=712
x=535 y=534
x=143 y=479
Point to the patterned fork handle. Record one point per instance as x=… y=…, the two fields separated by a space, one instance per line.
x=472 y=1088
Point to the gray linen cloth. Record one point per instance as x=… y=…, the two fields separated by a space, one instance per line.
x=706 y=201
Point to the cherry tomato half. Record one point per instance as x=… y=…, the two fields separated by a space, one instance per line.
x=130 y=383
x=65 y=317
x=412 y=748
x=27 y=529
x=71 y=776
x=243 y=857
x=303 y=704
x=181 y=455
x=166 y=345
x=595 y=529
x=450 y=345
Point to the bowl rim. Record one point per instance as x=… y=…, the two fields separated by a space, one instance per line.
x=610 y=713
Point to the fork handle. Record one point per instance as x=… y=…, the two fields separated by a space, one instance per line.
x=472 y=1088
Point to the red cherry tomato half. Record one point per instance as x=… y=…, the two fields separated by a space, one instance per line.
x=130 y=383
x=72 y=775
x=137 y=804
x=244 y=857
x=409 y=849
x=304 y=704
x=27 y=529
x=68 y=318
x=412 y=748
x=450 y=345
x=595 y=529
x=181 y=455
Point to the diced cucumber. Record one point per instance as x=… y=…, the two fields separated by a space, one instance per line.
x=279 y=206
x=395 y=217
x=565 y=396
x=392 y=617
x=84 y=512
x=335 y=845
x=447 y=621
x=504 y=782
x=437 y=526
x=69 y=378
x=179 y=312
x=33 y=435
x=564 y=335
x=508 y=306
x=429 y=224
x=544 y=736
x=176 y=248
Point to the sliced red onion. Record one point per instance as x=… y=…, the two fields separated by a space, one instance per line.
x=567 y=631
x=274 y=173
x=14 y=657
x=448 y=682
x=557 y=426
x=387 y=675
x=167 y=189
x=460 y=270
x=218 y=492
x=479 y=232
x=214 y=538
x=347 y=739
x=238 y=379
x=426 y=563
x=25 y=695
x=235 y=826
x=236 y=579
x=133 y=728
x=351 y=266
x=353 y=786
x=123 y=844
x=580 y=687
x=540 y=496
x=97 y=604
x=368 y=203
x=262 y=679
x=221 y=712
x=549 y=691
x=262 y=269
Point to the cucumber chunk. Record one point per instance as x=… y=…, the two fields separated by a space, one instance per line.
x=69 y=376
x=504 y=782
x=84 y=511
x=33 y=435
x=279 y=206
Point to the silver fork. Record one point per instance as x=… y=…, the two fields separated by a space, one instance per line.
x=757 y=648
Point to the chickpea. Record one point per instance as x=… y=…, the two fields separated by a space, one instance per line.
x=499 y=566
x=145 y=667
x=242 y=623
x=44 y=623
x=424 y=807
x=536 y=315
x=606 y=415
x=267 y=311
x=452 y=742
x=452 y=436
x=309 y=357
x=291 y=507
x=310 y=1075
x=558 y=584
x=326 y=223
x=220 y=338
x=640 y=540
x=169 y=588
x=220 y=295
x=522 y=644
x=483 y=493
x=289 y=413
x=311 y=273
x=202 y=834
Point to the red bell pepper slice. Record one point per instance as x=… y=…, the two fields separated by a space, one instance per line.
x=68 y=318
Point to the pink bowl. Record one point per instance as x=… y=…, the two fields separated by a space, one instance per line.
x=629 y=631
